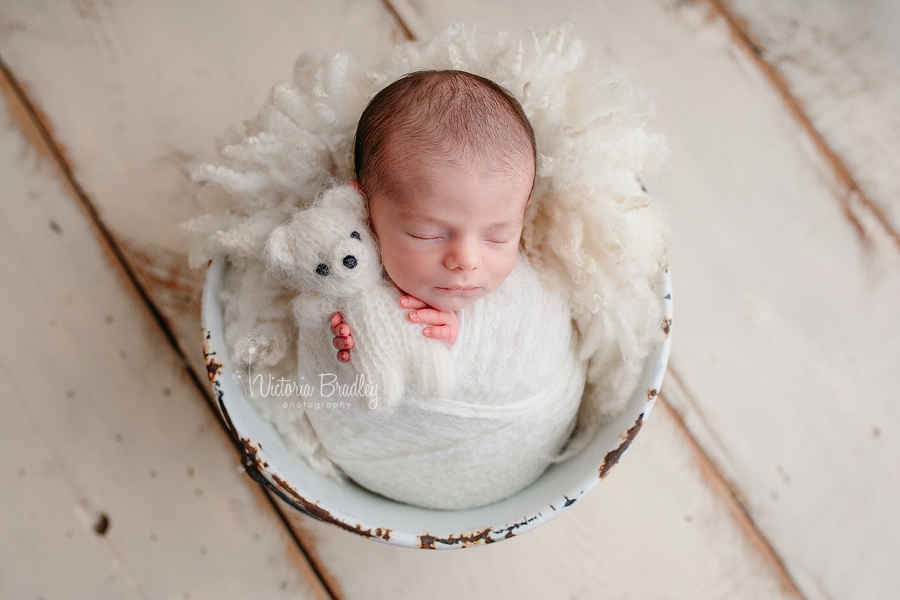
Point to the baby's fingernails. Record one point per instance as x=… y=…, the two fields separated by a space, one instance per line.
x=427 y=331
x=413 y=315
x=404 y=300
x=345 y=331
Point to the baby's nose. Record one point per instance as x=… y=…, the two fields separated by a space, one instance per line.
x=464 y=255
x=350 y=261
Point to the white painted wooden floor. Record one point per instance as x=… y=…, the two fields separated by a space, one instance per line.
x=771 y=468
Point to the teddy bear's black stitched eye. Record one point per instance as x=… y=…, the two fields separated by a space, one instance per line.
x=322 y=269
x=355 y=234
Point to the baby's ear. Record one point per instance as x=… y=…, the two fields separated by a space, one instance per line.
x=279 y=252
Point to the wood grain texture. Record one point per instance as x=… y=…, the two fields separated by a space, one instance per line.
x=840 y=62
x=786 y=325
x=133 y=92
x=117 y=480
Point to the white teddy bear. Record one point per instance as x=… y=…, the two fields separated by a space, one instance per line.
x=328 y=255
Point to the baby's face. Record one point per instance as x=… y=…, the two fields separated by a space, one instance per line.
x=451 y=235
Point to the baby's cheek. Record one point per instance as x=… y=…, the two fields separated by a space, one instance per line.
x=504 y=266
x=400 y=269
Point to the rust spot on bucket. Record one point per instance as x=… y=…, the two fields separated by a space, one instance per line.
x=323 y=515
x=612 y=457
x=250 y=457
x=511 y=530
x=427 y=541
x=212 y=365
x=220 y=403
x=651 y=395
x=666 y=325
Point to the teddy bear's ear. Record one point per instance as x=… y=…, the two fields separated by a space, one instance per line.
x=278 y=249
x=351 y=200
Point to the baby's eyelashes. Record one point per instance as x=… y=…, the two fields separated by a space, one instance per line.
x=425 y=237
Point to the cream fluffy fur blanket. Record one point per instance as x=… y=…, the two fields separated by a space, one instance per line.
x=592 y=234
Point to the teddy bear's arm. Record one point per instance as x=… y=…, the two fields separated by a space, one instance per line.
x=312 y=311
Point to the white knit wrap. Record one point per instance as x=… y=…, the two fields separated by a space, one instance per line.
x=423 y=424
x=592 y=235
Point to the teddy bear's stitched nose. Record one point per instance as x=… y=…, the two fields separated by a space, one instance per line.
x=350 y=261
x=322 y=269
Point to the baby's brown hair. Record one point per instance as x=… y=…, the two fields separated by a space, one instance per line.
x=449 y=115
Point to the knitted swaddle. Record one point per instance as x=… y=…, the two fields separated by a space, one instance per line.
x=418 y=422
x=511 y=407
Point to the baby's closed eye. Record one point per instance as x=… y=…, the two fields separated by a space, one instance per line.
x=426 y=237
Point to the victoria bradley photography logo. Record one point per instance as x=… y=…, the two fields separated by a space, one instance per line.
x=254 y=351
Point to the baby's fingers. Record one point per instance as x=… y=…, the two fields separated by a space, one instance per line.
x=338 y=327
x=432 y=316
x=336 y=320
x=408 y=301
x=445 y=333
x=343 y=343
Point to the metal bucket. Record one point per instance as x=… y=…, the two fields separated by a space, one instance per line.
x=364 y=513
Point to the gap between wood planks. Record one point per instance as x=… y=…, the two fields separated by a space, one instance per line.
x=415 y=28
x=726 y=488
x=851 y=196
x=22 y=107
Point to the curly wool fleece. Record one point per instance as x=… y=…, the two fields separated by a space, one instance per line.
x=592 y=234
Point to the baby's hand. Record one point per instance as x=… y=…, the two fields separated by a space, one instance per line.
x=444 y=325
x=343 y=341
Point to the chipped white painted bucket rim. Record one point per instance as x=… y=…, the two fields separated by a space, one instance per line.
x=364 y=513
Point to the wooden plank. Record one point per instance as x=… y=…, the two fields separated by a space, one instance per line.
x=659 y=526
x=785 y=324
x=132 y=92
x=840 y=63
x=117 y=480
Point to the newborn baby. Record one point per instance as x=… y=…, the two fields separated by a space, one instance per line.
x=446 y=162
